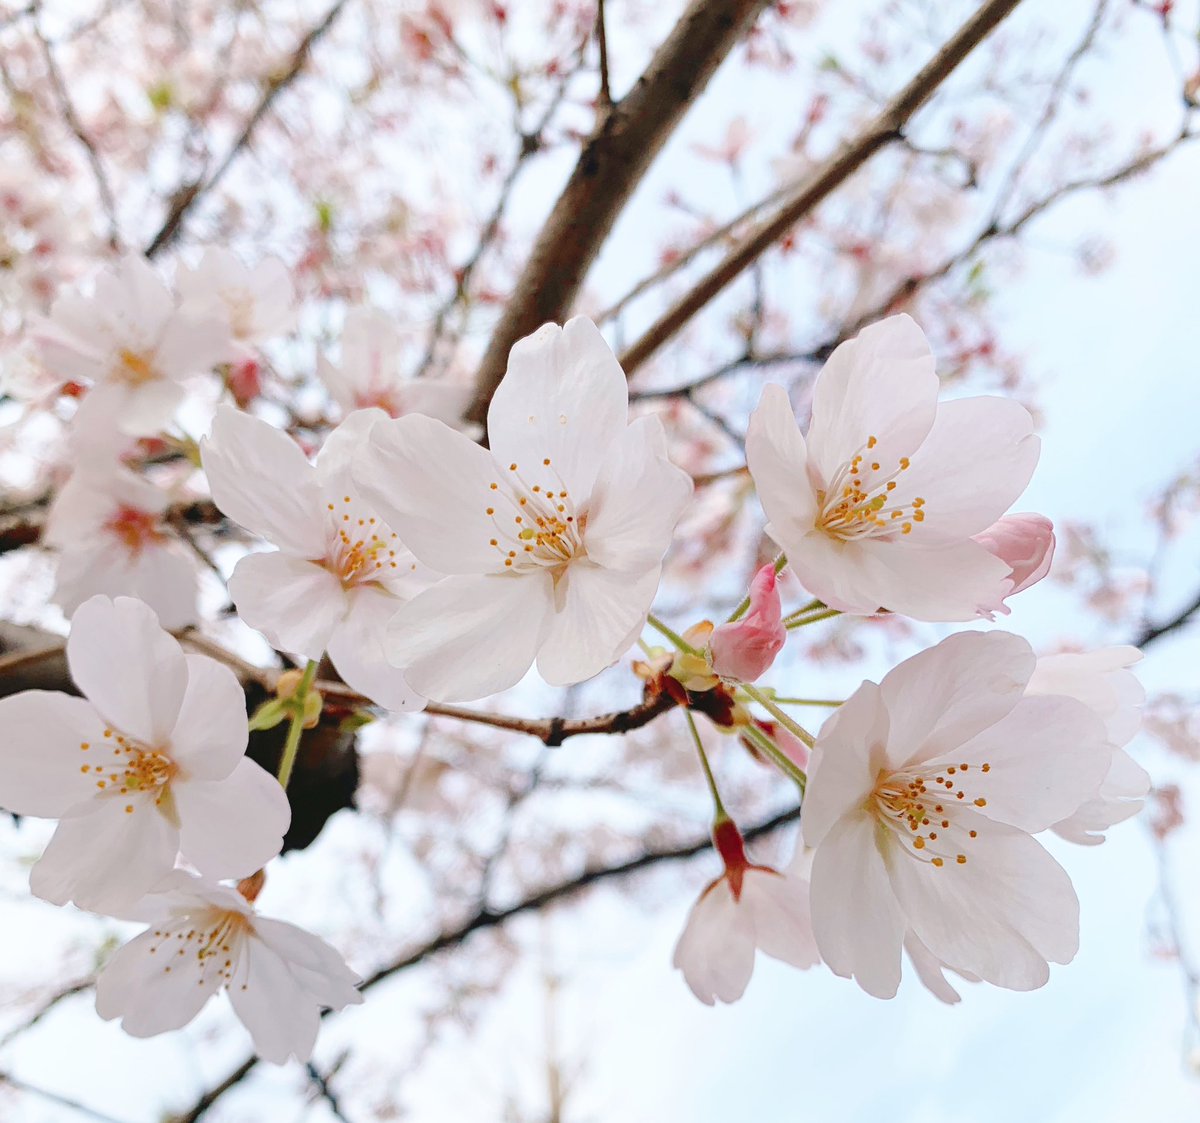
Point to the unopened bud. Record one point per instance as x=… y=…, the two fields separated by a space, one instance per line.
x=250 y=887
x=288 y=683
x=312 y=709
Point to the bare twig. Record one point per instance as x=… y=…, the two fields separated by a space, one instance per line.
x=57 y=1098
x=610 y=166
x=884 y=129
x=604 y=101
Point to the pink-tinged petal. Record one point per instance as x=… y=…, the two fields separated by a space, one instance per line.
x=295 y=603
x=715 y=951
x=235 y=826
x=104 y=857
x=930 y=971
x=564 y=396
x=143 y=292
x=600 y=609
x=953 y=582
x=1025 y=543
x=433 y=486
x=281 y=1017
x=777 y=457
x=746 y=648
x=358 y=650
x=1121 y=797
x=446 y=401
x=336 y=459
x=779 y=908
x=210 y=733
x=1100 y=680
x=469 y=636
x=1045 y=758
x=317 y=967
x=132 y=671
x=1001 y=915
x=845 y=762
x=194 y=344
x=857 y=920
x=943 y=696
x=152 y=989
x=840 y=574
x=41 y=752
x=978 y=458
x=882 y=384
x=259 y=478
x=637 y=500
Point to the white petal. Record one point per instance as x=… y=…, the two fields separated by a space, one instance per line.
x=143 y=410
x=856 y=917
x=317 y=967
x=468 y=637
x=358 y=650
x=777 y=457
x=564 y=396
x=232 y=827
x=1100 y=679
x=336 y=458
x=433 y=486
x=127 y=667
x=943 y=696
x=601 y=608
x=259 y=478
x=637 y=500
x=929 y=971
x=41 y=757
x=882 y=384
x=281 y=1017
x=715 y=951
x=295 y=603
x=779 y=907
x=210 y=734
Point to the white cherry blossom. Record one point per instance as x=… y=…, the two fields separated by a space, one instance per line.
x=339 y=572
x=1101 y=680
x=748 y=907
x=131 y=341
x=924 y=793
x=204 y=937
x=369 y=373
x=877 y=506
x=107 y=524
x=553 y=540
x=151 y=760
x=257 y=302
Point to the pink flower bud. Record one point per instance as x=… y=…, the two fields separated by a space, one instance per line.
x=1026 y=544
x=744 y=649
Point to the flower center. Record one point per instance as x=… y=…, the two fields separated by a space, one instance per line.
x=536 y=523
x=361 y=550
x=135 y=529
x=135 y=368
x=928 y=822
x=856 y=503
x=209 y=943
x=123 y=766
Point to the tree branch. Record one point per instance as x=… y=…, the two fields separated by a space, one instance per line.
x=610 y=166
x=818 y=185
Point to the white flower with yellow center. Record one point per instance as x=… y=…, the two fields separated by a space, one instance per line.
x=923 y=795
x=204 y=937
x=339 y=572
x=877 y=506
x=149 y=763
x=553 y=540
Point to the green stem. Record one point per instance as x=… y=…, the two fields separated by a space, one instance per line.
x=831 y=702
x=742 y=608
x=296 y=725
x=829 y=613
x=814 y=605
x=779 y=715
x=708 y=773
x=674 y=637
x=778 y=757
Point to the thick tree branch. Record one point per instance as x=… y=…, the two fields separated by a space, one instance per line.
x=818 y=185
x=610 y=166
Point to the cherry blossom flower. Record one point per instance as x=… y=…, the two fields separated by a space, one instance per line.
x=149 y=761
x=107 y=524
x=745 y=648
x=369 y=375
x=553 y=540
x=876 y=508
x=205 y=937
x=923 y=795
x=339 y=572
x=748 y=907
x=1025 y=543
x=1102 y=681
x=256 y=302
x=132 y=342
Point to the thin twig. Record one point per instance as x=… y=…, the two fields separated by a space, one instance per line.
x=604 y=101
x=57 y=1098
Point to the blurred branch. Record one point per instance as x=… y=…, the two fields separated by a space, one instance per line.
x=486 y=919
x=1151 y=632
x=48 y=1004
x=610 y=166
x=818 y=185
x=189 y=194
x=56 y=1098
